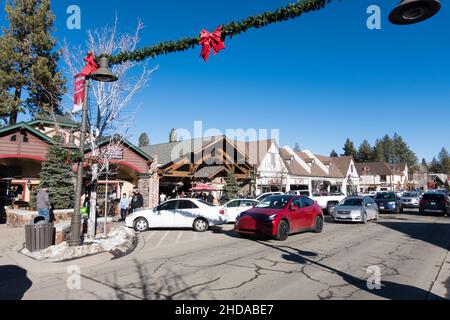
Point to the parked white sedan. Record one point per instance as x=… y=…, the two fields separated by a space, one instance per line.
x=181 y=213
x=235 y=207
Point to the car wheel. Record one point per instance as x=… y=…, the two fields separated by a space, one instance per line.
x=141 y=225
x=330 y=207
x=365 y=217
x=201 y=225
x=283 y=231
x=318 y=226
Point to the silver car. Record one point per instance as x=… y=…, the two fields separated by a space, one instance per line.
x=356 y=209
x=411 y=200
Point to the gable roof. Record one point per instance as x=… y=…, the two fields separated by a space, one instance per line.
x=294 y=167
x=61 y=120
x=257 y=150
x=316 y=170
x=131 y=146
x=168 y=152
x=374 y=168
x=25 y=126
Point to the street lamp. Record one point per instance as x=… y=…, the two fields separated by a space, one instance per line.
x=103 y=74
x=414 y=11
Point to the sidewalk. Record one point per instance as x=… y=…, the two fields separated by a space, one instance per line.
x=441 y=286
x=12 y=241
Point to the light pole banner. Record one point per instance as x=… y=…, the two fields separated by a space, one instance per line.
x=78 y=93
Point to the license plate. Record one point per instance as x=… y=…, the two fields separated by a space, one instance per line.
x=433 y=204
x=382 y=208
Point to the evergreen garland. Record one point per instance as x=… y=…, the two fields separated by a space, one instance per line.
x=291 y=11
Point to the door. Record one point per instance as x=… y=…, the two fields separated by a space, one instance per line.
x=296 y=215
x=185 y=214
x=369 y=209
x=308 y=214
x=163 y=216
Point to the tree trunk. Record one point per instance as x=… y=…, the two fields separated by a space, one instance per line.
x=92 y=223
x=15 y=113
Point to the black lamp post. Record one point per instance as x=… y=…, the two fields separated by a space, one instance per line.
x=414 y=11
x=103 y=74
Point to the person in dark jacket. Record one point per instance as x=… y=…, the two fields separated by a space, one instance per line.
x=43 y=203
x=210 y=198
x=137 y=201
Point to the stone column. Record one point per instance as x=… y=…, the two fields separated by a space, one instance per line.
x=154 y=183
x=144 y=185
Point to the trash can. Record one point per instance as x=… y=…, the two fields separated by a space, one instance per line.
x=39 y=235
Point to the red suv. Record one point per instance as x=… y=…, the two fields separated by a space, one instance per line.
x=280 y=216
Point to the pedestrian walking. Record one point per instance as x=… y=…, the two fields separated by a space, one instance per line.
x=43 y=203
x=137 y=201
x=124 y=205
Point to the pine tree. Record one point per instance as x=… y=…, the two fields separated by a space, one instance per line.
x=231 y=188
x=403 y=153
x=425 y=165
x=29 y=77
x=297 y=148
x=349 y=149
x=334 y=154
x=144 y=140
x=364 y=152
x=57 y=173
x=444 y=160
x=378 y=151
x=173 y=136
x=389 y=149
x=435 y=166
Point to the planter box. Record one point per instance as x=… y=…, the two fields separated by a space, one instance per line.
x=21 y=218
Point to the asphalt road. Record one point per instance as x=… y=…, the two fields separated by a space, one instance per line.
x=408 y=250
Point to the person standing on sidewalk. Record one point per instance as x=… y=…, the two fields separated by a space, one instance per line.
x=43 y=203
x=124 y=205
x=137 y=201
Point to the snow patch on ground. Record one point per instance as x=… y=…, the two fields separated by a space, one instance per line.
x=120 y=238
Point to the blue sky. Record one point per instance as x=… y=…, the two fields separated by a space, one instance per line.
x=319 y=79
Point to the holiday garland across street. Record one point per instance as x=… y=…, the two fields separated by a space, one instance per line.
x=291 y=11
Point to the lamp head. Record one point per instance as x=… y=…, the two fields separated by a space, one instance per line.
x=103 y=73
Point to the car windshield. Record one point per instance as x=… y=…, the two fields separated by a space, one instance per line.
x=410 y=195
x=353 y=202
x=385 y=196
x=275 y=202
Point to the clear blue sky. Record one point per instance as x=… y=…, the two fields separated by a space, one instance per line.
x=319 y=79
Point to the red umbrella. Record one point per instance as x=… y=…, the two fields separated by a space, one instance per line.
x=202 y=188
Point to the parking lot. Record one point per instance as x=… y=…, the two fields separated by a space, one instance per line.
x=410 y=251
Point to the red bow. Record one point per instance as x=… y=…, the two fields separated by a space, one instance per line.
x=91 y=65
x=211 y=40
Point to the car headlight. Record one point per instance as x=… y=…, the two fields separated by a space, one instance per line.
x=273 y=217
x=392 y=203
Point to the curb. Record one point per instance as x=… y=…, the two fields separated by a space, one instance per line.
x=441 y=286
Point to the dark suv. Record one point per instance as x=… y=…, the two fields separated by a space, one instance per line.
x=434 y=202
x=389 y=202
